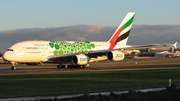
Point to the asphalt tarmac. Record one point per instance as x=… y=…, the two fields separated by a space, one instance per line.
x=46 y=69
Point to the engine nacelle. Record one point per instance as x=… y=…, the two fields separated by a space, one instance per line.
x=32 y=64
x=80 y=59
x=115 y=55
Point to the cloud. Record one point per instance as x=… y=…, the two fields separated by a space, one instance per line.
x=140 y=34
x=153 y=34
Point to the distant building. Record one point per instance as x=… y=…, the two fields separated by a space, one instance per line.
x=168 y=54
x=147 y=54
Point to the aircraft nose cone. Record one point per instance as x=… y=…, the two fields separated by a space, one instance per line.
x=5 y=56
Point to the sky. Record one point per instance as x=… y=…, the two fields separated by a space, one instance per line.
x=21 y=18
x=17 y=14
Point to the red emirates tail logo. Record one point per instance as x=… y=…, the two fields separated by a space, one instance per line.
x=113 y=40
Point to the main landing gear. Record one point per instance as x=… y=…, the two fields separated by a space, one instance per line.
x=71 y=66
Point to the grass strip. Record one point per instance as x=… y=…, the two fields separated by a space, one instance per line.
x=60 y=83
x=171 y=94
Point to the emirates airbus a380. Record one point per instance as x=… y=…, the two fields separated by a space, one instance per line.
x=73 y=53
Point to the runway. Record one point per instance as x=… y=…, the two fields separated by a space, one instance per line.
x=47 y=69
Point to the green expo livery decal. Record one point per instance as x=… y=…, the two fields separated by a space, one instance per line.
x=63 y=47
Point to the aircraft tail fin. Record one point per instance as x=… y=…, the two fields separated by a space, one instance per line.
x=122 y=32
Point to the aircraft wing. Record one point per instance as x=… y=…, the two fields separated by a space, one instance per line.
x=145 y=46
x=67 y=58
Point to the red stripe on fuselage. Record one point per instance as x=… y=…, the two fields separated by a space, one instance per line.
x=113 y=44
x=113 y=40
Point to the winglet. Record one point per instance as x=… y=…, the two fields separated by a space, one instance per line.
x=175 y=45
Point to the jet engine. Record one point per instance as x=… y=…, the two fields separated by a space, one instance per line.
x=115 y=55
x=80 y=59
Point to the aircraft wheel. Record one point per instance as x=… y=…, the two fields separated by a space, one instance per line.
x=76 y=66
x=13 y=68
x=72 y=66
x=85 y=66
x=81 y=66
x=58 y=66
x=63 y=66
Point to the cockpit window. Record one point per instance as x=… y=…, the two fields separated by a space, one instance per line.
x=10 y=50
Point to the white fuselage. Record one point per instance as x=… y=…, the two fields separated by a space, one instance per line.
x=39 y=51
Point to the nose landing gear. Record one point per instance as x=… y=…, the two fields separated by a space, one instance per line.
x=13 y=68
x=14 y=64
